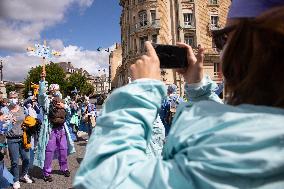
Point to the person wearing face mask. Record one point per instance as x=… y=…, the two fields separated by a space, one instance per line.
x=5 y=109
x=13 y=97
x=210 y=145
x=15 y=146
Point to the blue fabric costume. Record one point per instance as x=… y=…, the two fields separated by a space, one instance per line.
x=45 y=131
x=210 y=145
x=172 y=99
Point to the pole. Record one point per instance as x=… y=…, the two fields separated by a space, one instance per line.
x=109 y=74
x=1 y=70
x=43 y=59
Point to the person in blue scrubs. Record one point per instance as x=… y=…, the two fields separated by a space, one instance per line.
x=210 y=144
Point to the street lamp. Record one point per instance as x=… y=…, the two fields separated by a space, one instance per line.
x=1 y=70
x=109 y=68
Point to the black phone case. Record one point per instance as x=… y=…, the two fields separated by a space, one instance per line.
x=171 y=57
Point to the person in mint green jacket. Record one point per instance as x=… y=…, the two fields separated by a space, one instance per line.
x=210 y=145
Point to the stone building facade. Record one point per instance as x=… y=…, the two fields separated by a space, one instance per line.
x=116 y=69
x=168 y=22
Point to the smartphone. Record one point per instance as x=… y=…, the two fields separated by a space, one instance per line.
x=171 y=56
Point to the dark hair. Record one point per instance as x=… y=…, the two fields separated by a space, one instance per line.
x=253 y=62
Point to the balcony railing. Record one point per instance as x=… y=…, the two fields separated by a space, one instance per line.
x=144 y=25
x=214 y=26
x=188 y=25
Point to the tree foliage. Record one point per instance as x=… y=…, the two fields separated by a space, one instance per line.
x=55 y=74
x=80 y=82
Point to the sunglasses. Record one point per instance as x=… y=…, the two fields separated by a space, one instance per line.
x=220 y=37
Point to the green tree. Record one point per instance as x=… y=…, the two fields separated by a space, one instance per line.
x=54 y=74
x=80 y=82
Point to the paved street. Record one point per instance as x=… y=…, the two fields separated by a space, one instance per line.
x=59 y=181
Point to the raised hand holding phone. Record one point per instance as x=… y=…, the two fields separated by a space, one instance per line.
x=193 y=73
x=147 y=66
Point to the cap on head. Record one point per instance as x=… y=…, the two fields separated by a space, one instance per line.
x=252 y=8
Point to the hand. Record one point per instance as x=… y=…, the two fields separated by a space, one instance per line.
x=147 y=66
x=194 y=71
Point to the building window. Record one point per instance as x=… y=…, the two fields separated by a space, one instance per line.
x=214 y=21
x=141 y=1
x=154 y=38
x=213 y=2
x=188 y=39
x=143 y=18
x=142 y=41
x=187 y=19
x=153 y=16
x=216 y=69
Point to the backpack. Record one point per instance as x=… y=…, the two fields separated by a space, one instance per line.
x=56 y=114
x=30 y=126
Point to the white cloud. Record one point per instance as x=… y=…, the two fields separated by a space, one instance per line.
x=92 y=61
x=21 y=22
x=16 y=66
x=56 y=44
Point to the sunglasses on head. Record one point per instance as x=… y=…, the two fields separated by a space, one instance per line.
x=220 y=36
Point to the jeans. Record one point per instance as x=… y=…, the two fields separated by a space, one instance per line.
x=15 y=147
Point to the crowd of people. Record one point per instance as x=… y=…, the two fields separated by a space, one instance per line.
x=40 y=127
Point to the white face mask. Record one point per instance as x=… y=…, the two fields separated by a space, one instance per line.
x=14 y=100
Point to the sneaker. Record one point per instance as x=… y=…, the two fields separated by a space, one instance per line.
x=47 y=178
x=27 y=179
x=66 y=173
x=16 y=185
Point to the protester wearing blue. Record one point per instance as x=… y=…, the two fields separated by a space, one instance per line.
x=169 y=106
x=67 y=101
x=91 y=112
x=15 y=146
x=5 y=109
x=49 y=135
x=6 y=178
x=210 y=145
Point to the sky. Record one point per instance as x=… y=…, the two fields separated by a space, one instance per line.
x=76 y=28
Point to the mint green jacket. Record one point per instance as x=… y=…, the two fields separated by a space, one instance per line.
x=210 y=145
